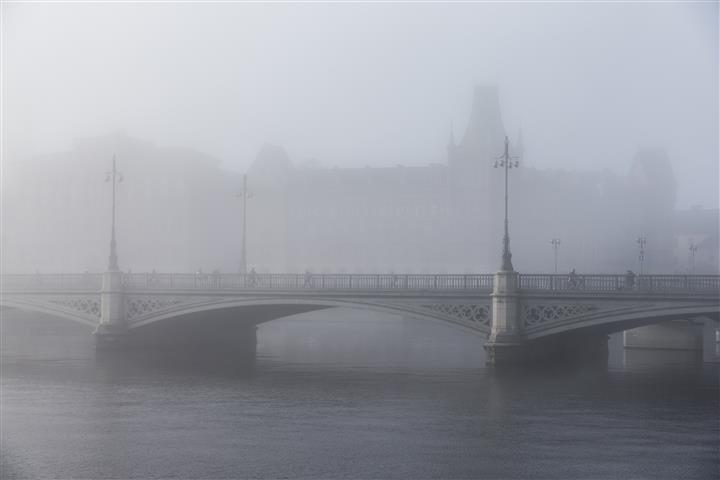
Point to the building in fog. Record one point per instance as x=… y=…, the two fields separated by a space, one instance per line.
x=449 y=217
x=56 y=208
x=179 y=210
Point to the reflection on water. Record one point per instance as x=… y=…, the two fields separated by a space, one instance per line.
x=348 y=394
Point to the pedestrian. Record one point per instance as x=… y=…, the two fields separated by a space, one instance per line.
x=253 y=277
x=308 y=279
x=630 y=280
x=572 y=279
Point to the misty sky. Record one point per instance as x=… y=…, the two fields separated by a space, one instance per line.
x=369 y=84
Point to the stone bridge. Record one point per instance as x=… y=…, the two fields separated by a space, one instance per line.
x=513 y=311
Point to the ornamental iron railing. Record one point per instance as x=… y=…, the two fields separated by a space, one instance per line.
x=618 y=283
x=51 y=281
x=290 y=281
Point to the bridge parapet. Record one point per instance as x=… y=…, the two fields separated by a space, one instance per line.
x=291 y=281
x=602 y=283
x=51 y=281
x=581 y=283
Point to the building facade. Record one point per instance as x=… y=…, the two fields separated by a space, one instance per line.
x=178 y=210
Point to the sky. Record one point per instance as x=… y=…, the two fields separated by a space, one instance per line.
x=358 y=84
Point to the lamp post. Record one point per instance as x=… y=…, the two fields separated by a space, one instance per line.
x=555 y=243
x=244 y=195
x=506 y=162
x=115 y=177
x=693 y=248
x=642 y=240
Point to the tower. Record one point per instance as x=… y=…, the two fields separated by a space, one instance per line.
x=475 y=196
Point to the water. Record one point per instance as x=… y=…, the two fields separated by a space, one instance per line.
x=342 y=394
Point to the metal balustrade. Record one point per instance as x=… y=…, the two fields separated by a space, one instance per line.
x=618 y=283
x=56 y=281
x=290 y=281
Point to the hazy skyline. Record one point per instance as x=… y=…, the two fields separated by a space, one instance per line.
x=369 y=84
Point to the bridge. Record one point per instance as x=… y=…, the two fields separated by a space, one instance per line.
x=513 y=312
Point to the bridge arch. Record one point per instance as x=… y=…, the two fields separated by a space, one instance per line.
x=58 y=310
x=623 y=318
x=267 y=310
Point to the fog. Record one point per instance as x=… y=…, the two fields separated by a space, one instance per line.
x=590 y=86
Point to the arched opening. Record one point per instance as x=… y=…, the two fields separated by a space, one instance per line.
x=232 y=328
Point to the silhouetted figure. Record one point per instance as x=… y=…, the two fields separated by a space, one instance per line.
x=308 y=279
x=253 y=277
x=216 y=278
x=572 y=280
x=393 y=279
x=630 y=280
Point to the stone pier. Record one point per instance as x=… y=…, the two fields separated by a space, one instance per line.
x=111 y=331
x=506 y=343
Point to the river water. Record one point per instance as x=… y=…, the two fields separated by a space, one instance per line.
x=347 y=394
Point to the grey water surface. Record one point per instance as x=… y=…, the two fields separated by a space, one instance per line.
x=347 y=394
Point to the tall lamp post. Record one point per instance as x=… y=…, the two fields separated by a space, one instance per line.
x=693 y=248
x=642 y=240
x=506 y=162
x=244 y=195
x=555 y=243
x=115 y=177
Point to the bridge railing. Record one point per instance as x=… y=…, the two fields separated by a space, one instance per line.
x=616 y=283
x=289 y=281
x=58 y=281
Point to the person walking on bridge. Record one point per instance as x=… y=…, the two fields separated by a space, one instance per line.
x=630 y=280
x=572 y=280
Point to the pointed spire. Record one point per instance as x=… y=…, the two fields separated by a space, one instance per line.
x=485 y=131
x=451 y=140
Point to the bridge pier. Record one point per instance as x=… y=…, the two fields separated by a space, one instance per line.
x=507 y=343
x=111 y=332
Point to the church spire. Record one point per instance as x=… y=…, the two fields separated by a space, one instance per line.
x=485 y=132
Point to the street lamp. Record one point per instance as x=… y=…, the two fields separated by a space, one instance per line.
x=115 y=177
x=506 y=162
x=244 y=195
x=693 y=248
x=555 y=243
x=642 y=240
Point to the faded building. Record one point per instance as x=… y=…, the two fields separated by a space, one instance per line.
x=56 y=209
x=449 y=217
x=178 y=210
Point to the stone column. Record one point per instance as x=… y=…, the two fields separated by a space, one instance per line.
x=112 y=329
x=506 y=344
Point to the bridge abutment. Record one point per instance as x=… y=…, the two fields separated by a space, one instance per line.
x=111 y=332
